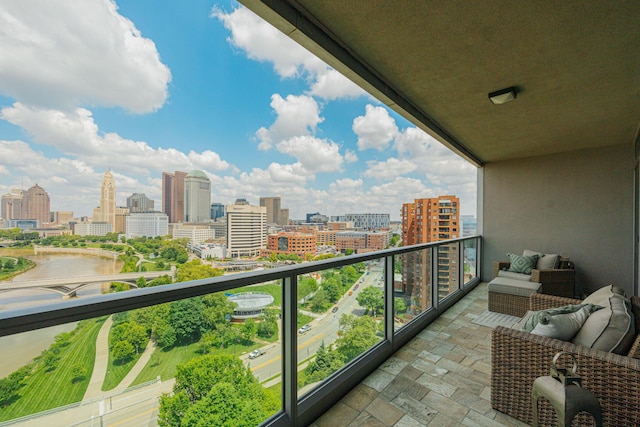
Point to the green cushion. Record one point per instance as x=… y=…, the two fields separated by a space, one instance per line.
x=522 y=263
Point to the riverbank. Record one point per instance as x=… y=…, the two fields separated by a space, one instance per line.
x=37 y=250
x=28 y=265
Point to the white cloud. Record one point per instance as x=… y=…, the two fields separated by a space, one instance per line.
x=330 y=85
x=262 y=42
x=76 y=134
x=376 y=129
x=65 y=54
x=350 y=156
x=296 y=115
x=314 y=154
x=389 y=169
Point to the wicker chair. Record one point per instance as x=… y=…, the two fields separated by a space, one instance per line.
x=518 y=358
x=558 y=281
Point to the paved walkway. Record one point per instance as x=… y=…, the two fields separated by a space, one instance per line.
x=101 y=364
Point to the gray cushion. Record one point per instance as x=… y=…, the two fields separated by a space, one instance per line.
x=503 y=285
x=517 y=276
x=602 y=295
x=611 y=329
x=545 y=261
x=522 y=263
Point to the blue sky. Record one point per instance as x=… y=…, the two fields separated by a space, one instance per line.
x=140 y=87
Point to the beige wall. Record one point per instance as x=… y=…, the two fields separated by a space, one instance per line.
x=579 y=203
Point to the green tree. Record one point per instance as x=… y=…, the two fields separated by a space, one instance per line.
x=371 y=298
x=399 y=305
x=50 y=360
x=215 y=390
x=358 y=335
x=141 y=282
x=194 y=270
x=332 y=290
x=268 y=325
x=249 y=330
x=187 y=319
x=131 y=332
x=78 y=373
x=320 y=302
x=122 y=351
x=325 y=363
x=9 y=387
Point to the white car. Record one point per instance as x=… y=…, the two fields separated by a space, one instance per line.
x=255 y=353
x=304 y=329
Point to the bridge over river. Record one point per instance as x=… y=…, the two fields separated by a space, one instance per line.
x=68 y=286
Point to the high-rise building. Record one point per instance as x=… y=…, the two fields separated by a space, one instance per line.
x=424 y=221
x=106 y=212
x=12 y=204
x=317 y=218
x=275 y=213
x=149 y=224
x=273 y=208
x=283 y=218
x=197 y=197
x=173 y=195
x=246 y=230
x=139 y=202
x=61 y=217
x=36 y=205
x=217 y=211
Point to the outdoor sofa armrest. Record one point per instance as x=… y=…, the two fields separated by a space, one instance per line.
x=499 y=265
x=545 y=301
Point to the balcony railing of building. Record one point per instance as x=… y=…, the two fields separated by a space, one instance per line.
x=402 y=310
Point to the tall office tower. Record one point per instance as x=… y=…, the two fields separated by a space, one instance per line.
x=139 y=202
x=12 y=204
x=106 y=212
x=217 y=211
x=173 y=195
x=197 y=197
x=424 y=221
x=246 y=230
x=283 y=219
x=35 y=205
x=273 y=209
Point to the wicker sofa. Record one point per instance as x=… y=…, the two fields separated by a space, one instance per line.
x=519 y=357
x=558 y=281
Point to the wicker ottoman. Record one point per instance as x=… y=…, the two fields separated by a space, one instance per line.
x=510 y=296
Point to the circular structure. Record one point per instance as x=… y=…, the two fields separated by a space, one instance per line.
x=198 y=174
x=250 y=304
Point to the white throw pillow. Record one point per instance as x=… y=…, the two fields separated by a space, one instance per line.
x=561 y=326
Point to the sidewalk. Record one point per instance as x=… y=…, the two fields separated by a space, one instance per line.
x=102 y=361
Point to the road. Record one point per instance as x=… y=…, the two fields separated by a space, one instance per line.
x=323 y=329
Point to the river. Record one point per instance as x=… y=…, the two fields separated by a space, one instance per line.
x=17 y=350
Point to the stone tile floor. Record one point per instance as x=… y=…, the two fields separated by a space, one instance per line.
x=442 y=377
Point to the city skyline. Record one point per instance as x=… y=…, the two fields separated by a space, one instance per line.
x=243 y=103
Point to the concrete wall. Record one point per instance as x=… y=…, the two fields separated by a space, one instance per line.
x=578 y=203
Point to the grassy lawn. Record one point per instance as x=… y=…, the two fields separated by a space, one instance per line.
x=8 y=274
x=303 y=319
x=163 y=362
x=117 y=371
x=46 y=390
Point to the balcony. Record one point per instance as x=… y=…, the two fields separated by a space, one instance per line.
x=301 y=403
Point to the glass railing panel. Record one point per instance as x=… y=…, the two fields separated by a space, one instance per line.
x=155 y=364
x=340 y=316
x=448 y=280
x=412 y=286
x=470 y=256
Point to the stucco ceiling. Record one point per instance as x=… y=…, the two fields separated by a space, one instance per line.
x=576 y=65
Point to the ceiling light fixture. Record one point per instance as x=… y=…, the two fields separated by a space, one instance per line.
x=503 y=96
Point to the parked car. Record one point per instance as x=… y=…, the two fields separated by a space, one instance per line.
x=256 y=353
x=304 y=329
x=334 y=309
